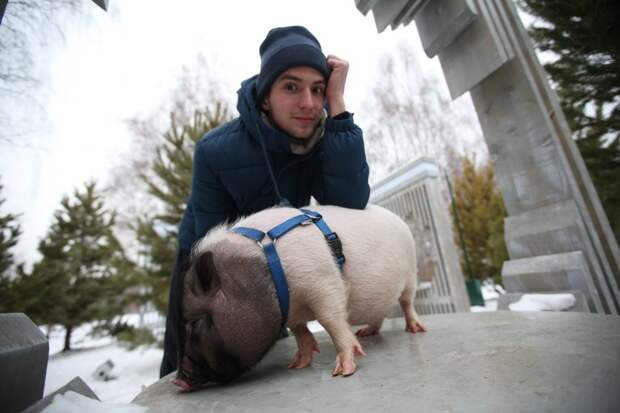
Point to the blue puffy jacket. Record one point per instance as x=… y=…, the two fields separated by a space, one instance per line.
x=231 y=176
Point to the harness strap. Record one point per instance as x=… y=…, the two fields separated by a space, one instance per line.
x=279 y=230
x=331 y=237
x=279 y=280
x=273 y=260
x=250 y=233
x=275 y=267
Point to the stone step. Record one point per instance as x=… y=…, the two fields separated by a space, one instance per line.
x=554 y=272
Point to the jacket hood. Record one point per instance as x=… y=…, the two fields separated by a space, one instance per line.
x=273 y=139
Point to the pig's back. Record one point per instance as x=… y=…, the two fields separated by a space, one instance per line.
x=380 y=258
x=379 y=251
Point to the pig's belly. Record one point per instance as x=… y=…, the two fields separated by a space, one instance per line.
x=371 y=307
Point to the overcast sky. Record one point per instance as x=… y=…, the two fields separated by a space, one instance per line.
x=115 y=65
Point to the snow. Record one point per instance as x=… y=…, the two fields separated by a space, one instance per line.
x=134 y=369
x=490 y=294
x=72 y=402
x=544 y=302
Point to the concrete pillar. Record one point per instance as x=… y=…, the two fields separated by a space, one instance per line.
x=554 y=211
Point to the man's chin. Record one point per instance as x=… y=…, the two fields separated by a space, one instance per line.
x=302 y=135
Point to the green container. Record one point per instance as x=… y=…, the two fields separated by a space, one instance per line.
x=475 y=292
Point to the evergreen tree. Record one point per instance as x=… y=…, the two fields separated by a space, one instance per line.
x=481 y=211
x=81 y=275
x=171 y=185
x=584 y=35
x=9 y=235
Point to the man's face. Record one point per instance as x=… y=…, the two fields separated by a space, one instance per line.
x=295 y=101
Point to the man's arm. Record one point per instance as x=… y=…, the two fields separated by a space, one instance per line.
x=211 y=204
x=343 y=177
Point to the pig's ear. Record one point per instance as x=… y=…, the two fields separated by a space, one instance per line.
x=206 y=273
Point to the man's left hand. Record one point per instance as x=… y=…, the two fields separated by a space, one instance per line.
x=335 y=84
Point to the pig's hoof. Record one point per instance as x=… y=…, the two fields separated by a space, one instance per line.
x=367 y=331
x=345 y=364
x=415 y=327
x=300 y=361
x=344 y=367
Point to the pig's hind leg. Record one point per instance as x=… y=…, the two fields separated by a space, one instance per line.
x=371 y=329
x=306 y=345
x=413 y=323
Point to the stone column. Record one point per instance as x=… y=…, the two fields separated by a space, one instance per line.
x=557 y=234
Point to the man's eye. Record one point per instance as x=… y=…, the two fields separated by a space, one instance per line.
x=291 y=87
x=318 y=91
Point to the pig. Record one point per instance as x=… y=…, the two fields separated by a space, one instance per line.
x=231 y=314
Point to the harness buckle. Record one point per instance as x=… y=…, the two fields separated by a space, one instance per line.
x=335 y=245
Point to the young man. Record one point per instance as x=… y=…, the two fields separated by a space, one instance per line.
x=282 y=149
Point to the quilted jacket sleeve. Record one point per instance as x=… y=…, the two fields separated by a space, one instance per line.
x=210 y=202
x=344 y=178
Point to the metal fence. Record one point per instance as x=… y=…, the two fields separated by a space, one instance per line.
x=413 y=193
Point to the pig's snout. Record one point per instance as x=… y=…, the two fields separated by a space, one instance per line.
x=182 y=384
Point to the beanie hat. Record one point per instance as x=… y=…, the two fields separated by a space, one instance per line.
x=286 y=47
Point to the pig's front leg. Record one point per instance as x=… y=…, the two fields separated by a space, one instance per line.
x=306 y=345
x=347 y=346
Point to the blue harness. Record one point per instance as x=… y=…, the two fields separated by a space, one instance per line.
x=273 y=260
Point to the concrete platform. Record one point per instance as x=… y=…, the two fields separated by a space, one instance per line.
x=466 y=362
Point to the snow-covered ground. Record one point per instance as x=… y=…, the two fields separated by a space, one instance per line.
x=133 y=369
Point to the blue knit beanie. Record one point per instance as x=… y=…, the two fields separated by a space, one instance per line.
x=286 y=47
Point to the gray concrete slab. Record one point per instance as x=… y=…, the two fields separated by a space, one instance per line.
x=23 y=362
x=441 y=21
x=466 y=362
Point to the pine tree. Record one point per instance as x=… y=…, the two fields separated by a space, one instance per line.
x=172 y=167
x=481 y=211
x=80 y=276
x=9 y=236
x=584 y=35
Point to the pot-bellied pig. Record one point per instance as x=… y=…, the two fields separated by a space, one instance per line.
x=231 y=312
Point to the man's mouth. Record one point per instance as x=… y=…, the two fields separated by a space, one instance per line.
x=304 y=120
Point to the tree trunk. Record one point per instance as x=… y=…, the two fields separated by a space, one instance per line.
x=69 y=330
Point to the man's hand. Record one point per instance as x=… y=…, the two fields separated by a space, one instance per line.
x=335 y=84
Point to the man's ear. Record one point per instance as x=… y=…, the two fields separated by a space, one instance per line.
x=265 y=105
x=206 y=274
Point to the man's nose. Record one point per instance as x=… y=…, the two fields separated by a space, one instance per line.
x=305 y=100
